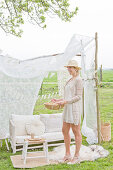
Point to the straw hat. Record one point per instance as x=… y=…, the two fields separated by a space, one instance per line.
x=73 y=63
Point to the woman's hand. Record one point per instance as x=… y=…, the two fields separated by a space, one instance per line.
x=53 y=100
x=62 y=102
x=56 y=100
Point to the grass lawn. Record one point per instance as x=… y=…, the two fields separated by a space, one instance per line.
x=107 y=75
x=106 y=110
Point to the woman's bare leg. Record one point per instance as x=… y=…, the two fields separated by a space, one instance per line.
x=78 y=137
x=67 y=139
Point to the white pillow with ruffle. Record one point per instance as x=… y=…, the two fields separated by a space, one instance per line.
x=36 y=127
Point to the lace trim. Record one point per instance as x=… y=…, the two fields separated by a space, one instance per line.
x=76 y=122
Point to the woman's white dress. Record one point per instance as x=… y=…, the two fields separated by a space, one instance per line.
x=73 y=95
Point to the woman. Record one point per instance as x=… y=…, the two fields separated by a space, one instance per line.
x=72 y=111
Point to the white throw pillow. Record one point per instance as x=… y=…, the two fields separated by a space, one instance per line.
x=20 y=122
x=36 y=127
x=52 y=122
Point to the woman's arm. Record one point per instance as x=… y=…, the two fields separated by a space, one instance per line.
x=56 y=100
x=79 y=87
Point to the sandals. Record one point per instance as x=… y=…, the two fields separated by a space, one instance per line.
x=66 y=159
x=75 y=160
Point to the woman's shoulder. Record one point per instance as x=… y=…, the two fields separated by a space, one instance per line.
x=78 y=78
x=67 y=81
x=79 y=81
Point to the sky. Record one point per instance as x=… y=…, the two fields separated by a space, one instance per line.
x=93 y=16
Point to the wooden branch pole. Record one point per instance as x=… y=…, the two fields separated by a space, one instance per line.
x=101 y=73
x=83 y=102
x=97 y=100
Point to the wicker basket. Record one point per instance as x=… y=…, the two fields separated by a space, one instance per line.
x=106 y=131
x=53 y=106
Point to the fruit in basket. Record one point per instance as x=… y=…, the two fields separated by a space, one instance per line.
x=52 y=103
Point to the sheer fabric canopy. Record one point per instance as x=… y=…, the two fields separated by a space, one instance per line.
x=20 y=82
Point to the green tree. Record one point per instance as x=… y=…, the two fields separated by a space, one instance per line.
x=12 y=13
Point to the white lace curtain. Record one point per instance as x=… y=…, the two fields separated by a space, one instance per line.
x=20 y=82
x=89 y=126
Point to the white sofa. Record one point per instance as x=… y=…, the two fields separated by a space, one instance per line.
x=52 y=129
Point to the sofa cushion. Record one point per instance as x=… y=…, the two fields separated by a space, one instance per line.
x=56 y=136
x=52 y=122
x=36 y=127
x=20 y=122
x=50 y=137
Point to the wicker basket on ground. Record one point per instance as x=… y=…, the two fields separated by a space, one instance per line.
x=106 y=131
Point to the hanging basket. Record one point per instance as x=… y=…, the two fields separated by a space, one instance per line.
x=106 y=131
x=53 y=106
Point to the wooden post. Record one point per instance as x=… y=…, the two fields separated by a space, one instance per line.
x=97 y=100
x=83 y=103
x=101 y=73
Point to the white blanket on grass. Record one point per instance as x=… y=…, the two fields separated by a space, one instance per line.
x=87 y=153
